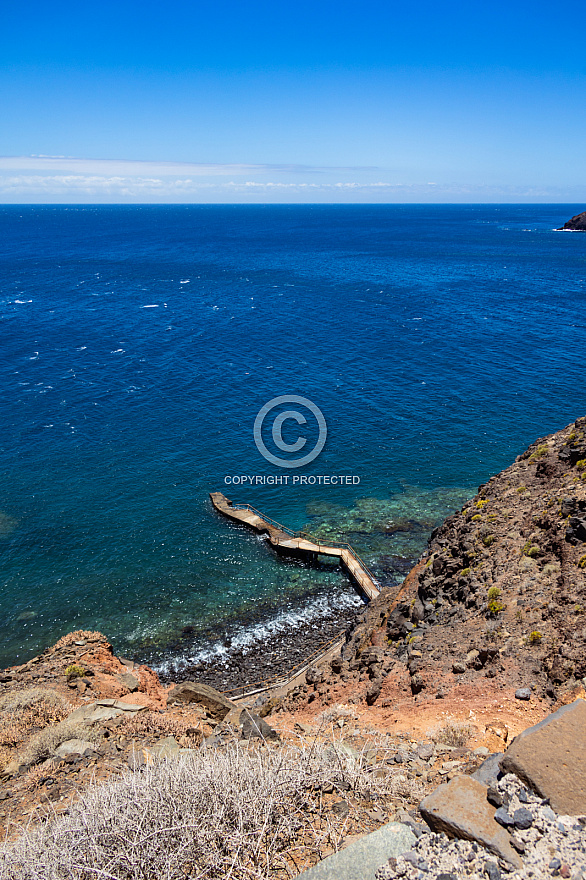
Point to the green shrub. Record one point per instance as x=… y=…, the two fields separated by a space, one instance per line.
x=476 y=517
x=539 y=452
x=465 y=572
x=495 y=607
x=531 y=550
x=582 y=563
x=482 y=503
x=488 y=540
x=535 y=637
x=74 y=671
x=581 y=465
x=494 y=593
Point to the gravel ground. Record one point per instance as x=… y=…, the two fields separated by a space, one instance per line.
x=552 y=846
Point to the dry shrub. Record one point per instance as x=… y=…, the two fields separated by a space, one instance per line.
x=143 y=725
x=42 y=744
x=339 y=710
x=238 y=813
x=15 y=700
x=24 y=712
x=80 y=635
x=453 y=733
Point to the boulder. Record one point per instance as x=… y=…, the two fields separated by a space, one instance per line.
x=489 y=771
x=193 y=692
x=102 y=710
x=361 y=859
x=129 y=681
x=254 y=727
x=550 y=758
x=460 y=809
x=74 y=747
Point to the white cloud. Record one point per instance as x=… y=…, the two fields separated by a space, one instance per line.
x=132 y=167
x=55 y=179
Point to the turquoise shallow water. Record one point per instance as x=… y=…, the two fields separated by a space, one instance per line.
x=137 y=345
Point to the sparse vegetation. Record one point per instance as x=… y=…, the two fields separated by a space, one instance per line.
x=541 y=450
x=25 y=713
x=74 y=671
x=236 y=813
x=453 y=733
x=42 y=744
x=495 y=606
x=581 y=465
x=535 y=637
x=482 y=503
x=476 y=517
x=531 y=550
x=488 y=540
x=582 y=563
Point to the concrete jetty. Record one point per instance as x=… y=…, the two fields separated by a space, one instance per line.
x=300 y=544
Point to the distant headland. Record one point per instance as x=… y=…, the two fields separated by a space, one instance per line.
x=576 y=224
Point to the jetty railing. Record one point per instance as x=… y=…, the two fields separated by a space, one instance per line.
x=338 y=545
x=265 y=518
x=282 y=680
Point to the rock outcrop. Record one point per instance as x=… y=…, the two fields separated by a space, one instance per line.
x=500 y=596
x=576 y=224
x=460 y=809
x=550 y=758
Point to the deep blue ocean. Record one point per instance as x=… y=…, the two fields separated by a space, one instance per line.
x=138 y=344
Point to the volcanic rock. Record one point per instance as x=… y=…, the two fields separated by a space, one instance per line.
x=577 y=223
x=551 y=758
x=193 y=692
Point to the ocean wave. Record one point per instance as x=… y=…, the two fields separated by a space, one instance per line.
x=243 y=640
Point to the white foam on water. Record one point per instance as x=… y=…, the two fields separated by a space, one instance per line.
x=153 y=306
x=249 y=638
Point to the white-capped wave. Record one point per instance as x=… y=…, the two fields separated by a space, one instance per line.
x=249 y=638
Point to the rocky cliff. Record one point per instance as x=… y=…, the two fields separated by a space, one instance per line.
x=576 y=224
x=499 y=599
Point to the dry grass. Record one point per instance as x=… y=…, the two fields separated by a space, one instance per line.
x=340 y=711
x=80 y=635
x=453 y=733
x=239 y=814
x=42 y=744
x=26 y=713
x=17 y=700
x=145 y=725
x=33 y=723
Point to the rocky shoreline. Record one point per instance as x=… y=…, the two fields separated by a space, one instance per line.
x=231 y=668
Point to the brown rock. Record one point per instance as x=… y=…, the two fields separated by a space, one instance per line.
x=129 y=681
x=460 y=809
x=550 y=758
x=577 y=223
x=192 y=692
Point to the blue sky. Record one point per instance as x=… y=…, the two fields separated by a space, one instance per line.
x=292 y=102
